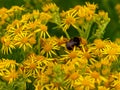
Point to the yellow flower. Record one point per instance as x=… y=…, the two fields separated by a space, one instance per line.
x=98 y=78
x=3 y=11
x=105 y=63
x=44 y=17
x=71 y=58
x=106 y=71
x=15 y=8
x=6 y=63
x=91 y=6
x=49 y=47
x=103 y=15
x=69 y=19
x=116 y=84
x=42 y=79
x=44 y=31
x=87 y=54
x=22 y=40
x=50 y=7
x=35 y=14
x=81 y=11
x=34 y=65
x=31 y=66
x=32 y=40
x=98 y=46
x=99 y=43
x=10 y=75
x=111 y=51
x=33 y=25
x=7 y=44
x=26 y=17
x=15 y=28
x=87 y=82
x=61 y=41
x=71 y=54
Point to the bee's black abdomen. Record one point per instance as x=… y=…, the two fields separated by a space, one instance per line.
x=70 y=45
x=77 y=41
x=73 y=42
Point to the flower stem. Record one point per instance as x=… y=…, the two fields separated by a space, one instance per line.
x=67 y=35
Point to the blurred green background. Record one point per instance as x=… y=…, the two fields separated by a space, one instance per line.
x=113 y=28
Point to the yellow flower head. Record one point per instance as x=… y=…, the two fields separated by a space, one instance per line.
x=44 y=31
x=50 y=7
x=69 y=19
x=10 y=75
x=22 y=40
x=87 y=82
x=49 y=47
x=15 y=8
x=45 y=17
x=7 y=44
x=91 y=6
x=3 y=11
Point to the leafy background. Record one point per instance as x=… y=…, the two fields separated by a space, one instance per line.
x=113 y=28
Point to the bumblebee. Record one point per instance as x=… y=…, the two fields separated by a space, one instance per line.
x=73 y=42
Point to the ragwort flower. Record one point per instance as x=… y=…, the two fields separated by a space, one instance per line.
x=22 y=40
x=49 y=47
x=69 y=19
x=10 y=75
x=7 y=44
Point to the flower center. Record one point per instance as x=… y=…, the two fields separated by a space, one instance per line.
x=47 y=47
x=74 y=76
x=24 y=40
x=112 y=52
x=43 y=28
x=95 y=74
x=70 y=20
x=32 y=65
x=73 y=55
x=87 y=55
x=99 y=43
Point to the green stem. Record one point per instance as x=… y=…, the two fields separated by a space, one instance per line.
x=67 y=35
x=79 y=30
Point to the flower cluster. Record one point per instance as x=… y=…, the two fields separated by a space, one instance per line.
x=47 y=63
